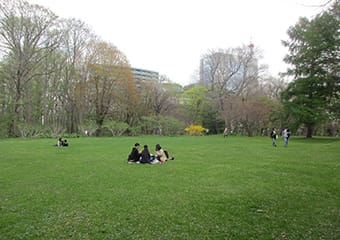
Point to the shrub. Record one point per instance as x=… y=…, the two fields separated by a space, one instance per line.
x=195 y=130
x=116 y=128
x=160 y=125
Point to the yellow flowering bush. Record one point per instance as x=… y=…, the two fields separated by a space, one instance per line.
x=195 y=130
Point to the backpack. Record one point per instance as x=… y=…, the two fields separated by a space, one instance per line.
x=166 y=153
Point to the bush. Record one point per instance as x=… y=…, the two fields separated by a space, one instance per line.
x=195 y=130
x=28 y=130
x=116 y=128
x=159 y=125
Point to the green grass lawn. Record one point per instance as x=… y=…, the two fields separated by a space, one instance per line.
x=217 y=188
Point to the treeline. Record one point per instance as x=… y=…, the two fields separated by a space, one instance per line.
x=59 y=78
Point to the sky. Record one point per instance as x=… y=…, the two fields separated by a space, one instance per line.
x=170 y=36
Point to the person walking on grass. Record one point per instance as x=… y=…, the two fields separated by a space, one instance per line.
x=286 y=135
x=273 y=136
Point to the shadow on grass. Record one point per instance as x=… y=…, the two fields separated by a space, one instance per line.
x=317 y=139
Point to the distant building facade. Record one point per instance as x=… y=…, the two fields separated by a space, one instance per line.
x=144 y=75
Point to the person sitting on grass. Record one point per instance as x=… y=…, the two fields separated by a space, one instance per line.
x=61 y=143
x=146 y=156
x=162 y=155
x=135 y=154
x=65 y=143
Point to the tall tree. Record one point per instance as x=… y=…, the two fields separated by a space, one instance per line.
x=76 y=37
x=231 y=72
x=28 y=34
x=109 y=81
x=156 y=98
x=314 y=56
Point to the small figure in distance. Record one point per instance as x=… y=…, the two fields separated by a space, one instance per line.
x=146 y=156
x=286 y=135
x=273 y=136
x=61 y=143
x=225 y=132
x=135 y=154
x=65 y=143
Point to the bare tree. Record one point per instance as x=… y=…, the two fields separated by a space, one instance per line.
x=247 y=116
x=272 y=87
x=77 y=35
x=28 y=34
x=231 y=72
x=156 y=99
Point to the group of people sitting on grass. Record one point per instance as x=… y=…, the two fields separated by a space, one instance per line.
x=61 y=143
x=144 y=156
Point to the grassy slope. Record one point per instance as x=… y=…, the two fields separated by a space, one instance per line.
x=232 y=188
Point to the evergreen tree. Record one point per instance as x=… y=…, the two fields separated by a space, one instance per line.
x=314 y=54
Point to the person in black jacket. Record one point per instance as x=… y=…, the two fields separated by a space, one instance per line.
x=135 y=154
x=273 y=136
x=145 y=155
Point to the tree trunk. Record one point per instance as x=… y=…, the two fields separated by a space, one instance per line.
x=309 y=131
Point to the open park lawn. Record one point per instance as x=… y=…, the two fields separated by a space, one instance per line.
x=216 y=188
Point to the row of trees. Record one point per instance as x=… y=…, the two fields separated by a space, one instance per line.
x=58 y=77
x=57 y=73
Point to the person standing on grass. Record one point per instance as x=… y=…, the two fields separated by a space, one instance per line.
x=286 y=135
x=225 y=132
x=273 y=136
x=135 y=154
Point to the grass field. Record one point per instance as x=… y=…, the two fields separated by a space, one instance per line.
x=216 y=188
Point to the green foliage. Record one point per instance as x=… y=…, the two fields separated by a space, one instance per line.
x=195 y=130
x=135 y=131
x=28 y=130
x=235 y=188
x=304 y=102
x=196 y=103
x=5 y=120
x=314 y=49
x=116 y=128
x=160 y=125
x=89 y=126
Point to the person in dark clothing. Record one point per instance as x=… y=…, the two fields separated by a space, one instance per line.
x=61 y=143
x=135 y=155
x=145 y=155
x=273 y=136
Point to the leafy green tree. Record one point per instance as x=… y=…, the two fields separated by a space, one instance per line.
x=314 y=54
x=195 y=100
